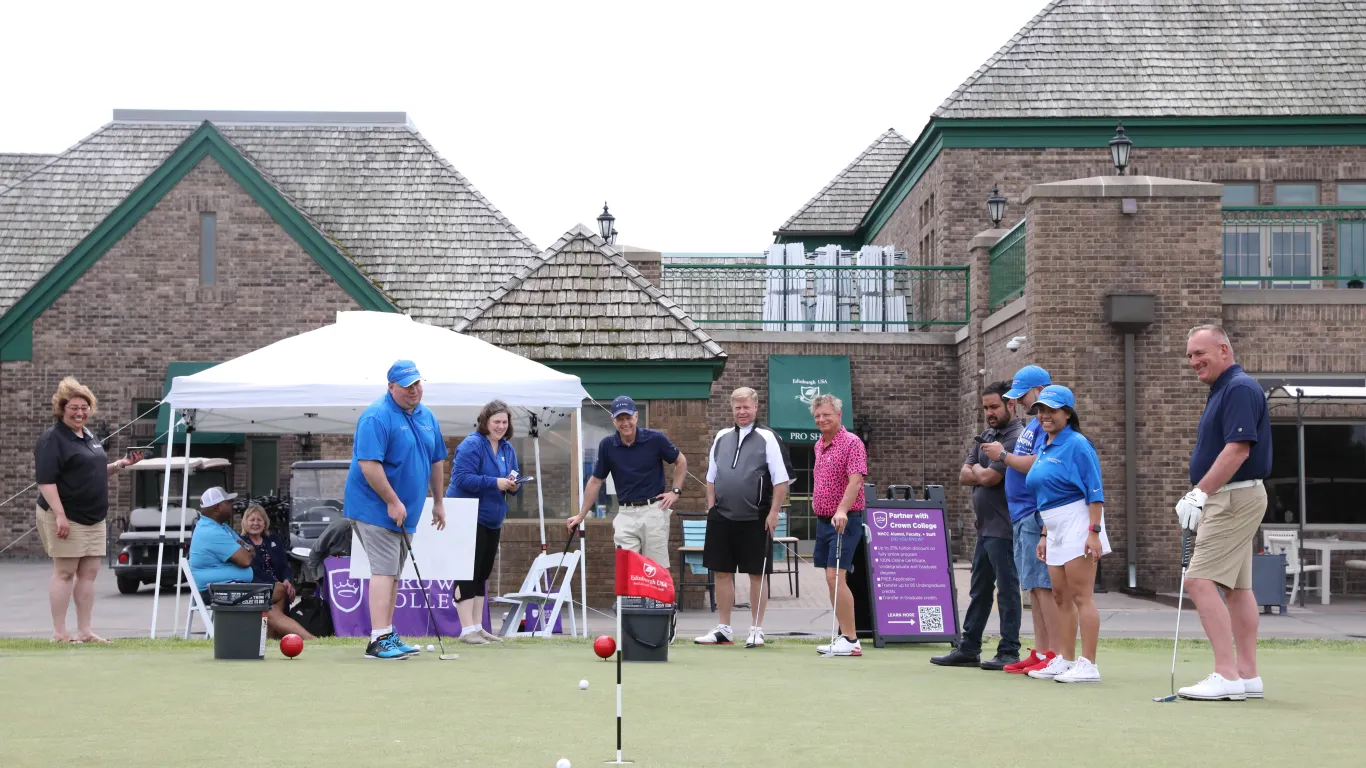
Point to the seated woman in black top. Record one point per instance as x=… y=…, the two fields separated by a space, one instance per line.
x=270 y=565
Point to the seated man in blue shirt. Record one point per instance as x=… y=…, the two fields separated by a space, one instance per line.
x=219 y=556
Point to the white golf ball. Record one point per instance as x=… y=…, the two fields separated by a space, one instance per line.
x=562 y=763
x=583 y=685
x=431 y=648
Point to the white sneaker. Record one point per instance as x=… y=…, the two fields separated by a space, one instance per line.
x=489 y=636
x=842 y=647
x=1215 y=688
x=718 y=636
x=1055 y=667
x=1252 y=687
x=756 y=638
x=1081 y=671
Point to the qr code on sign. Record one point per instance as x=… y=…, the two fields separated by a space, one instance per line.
x=931 y=618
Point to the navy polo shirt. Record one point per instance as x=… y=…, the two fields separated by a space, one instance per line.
x=636 y=469
x=1236 y=412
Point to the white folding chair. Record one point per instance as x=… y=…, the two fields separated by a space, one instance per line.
x=196 y=604
x=532 y=593
x=1288 y=544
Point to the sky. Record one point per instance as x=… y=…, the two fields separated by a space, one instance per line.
x=703 y=125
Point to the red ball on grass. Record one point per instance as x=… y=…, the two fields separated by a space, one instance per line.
x=291 y=645
x=604 y=646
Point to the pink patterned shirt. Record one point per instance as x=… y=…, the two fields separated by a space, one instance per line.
x=835 y=462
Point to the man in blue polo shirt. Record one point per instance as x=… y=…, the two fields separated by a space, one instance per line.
x=1029 y=381
x=634 y=457
x=1225 y=508
x=396 y=460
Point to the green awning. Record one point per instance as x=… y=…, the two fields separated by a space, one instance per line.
x=793 y=381
x=173 y=370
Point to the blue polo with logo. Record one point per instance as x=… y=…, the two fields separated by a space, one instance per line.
x=1018 y=495
x=1235 y=412
x=1065 y=471
x=406 y=444
x=637 y=469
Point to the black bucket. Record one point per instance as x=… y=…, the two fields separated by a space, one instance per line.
x=646 y=629
x=239 y=620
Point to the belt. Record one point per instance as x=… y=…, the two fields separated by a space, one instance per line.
x=640 y=503
x=1239 y=484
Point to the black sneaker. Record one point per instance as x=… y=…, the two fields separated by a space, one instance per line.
x=386 y=648
x=957 y=658
x=999 y=661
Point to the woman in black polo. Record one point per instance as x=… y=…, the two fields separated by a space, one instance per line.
x=72 y=472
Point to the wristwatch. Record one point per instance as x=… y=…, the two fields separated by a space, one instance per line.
x=1095 y=528
x=678 y=491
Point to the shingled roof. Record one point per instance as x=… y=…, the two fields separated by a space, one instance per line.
x=377 y=188
x=1170 y=58
x=839 y=206
x=14 y=166
x=581 y=300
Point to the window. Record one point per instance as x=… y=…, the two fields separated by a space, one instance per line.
x=208 y=264
x=1240 y=194
x=1281 y=249
x=145 y=411
x=1334 y=472
x=1351 y=193
x=1297 y=194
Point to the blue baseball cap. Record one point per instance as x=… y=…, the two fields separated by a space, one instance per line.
x=404 y=373
x=1027 y=378
x=622 y=405
x=1057 y=396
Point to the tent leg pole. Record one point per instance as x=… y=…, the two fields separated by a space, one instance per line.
x=180 y=550
x=165 y=499
x=546 y=581
x=583 y=546
x=1299 y=428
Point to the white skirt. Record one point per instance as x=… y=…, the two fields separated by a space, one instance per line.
x=1068 y=527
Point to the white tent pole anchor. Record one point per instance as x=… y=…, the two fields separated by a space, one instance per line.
x=180 y=550
x=165 y=499
x=583 y=542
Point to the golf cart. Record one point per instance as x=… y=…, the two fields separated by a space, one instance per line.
x=133 y=557
x=316 y=489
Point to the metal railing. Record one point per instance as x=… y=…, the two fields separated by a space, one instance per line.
x=819 y=298
x=1294 y=247
x=1007 y=267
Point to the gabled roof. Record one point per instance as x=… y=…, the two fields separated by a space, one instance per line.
x=14 y=166
x=375 y=188
x=840 y=206
x=581 y=300
x=1167 y=58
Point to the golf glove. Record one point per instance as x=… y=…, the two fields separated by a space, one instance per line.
x=1189 y=509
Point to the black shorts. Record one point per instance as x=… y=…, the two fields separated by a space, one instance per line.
x=733 y=545
x=485 y=552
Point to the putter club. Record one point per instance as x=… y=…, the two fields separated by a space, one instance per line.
x=540 y=610
x=835 y=603
x=430 y=616
x=763 y=579
x=1185 y=562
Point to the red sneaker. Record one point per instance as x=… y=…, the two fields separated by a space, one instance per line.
x=1039 y=663
x=1025 y=662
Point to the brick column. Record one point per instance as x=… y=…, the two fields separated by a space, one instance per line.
x=1082 y=245
x=972 y=359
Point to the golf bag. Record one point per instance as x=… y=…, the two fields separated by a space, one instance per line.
x=313 y=614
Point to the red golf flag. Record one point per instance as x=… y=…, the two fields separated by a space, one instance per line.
x=639 y=576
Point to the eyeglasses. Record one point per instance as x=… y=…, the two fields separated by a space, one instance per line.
x=78 y=408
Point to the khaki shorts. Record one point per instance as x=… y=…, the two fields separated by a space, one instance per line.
x=1223 y=541
x=643 y=529
x=83 y=541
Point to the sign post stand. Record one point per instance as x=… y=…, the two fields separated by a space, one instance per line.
x=909 y=567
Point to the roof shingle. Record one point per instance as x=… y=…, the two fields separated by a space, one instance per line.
x=841 y=204
x=14 y=166
x=1169 y=58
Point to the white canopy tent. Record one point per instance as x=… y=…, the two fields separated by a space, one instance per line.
x=321 y=381
x=1300 y=398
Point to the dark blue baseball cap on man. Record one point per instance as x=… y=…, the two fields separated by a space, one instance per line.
x=404 y=373
x=623 y=404
x=1027 y=378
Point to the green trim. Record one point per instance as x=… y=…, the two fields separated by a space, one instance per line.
x=848 y=241
x=1295 y=208
x=644 y=379
x=181 y=368
x=19 y=346
x=205 y=141
x=1064 y=132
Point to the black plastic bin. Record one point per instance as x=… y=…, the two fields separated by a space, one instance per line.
x=239 y=620
x=646 y=629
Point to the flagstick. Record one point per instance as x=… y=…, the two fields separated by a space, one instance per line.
x=619 y=653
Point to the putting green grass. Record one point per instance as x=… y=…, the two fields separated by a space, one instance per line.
x=169 y=703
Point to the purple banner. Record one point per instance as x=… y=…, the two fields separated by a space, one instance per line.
x=349 y=600
x=912 y=578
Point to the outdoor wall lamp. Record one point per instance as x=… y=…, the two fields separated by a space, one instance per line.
x=1119 y=149
x=996 y=207
x=605 y=228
